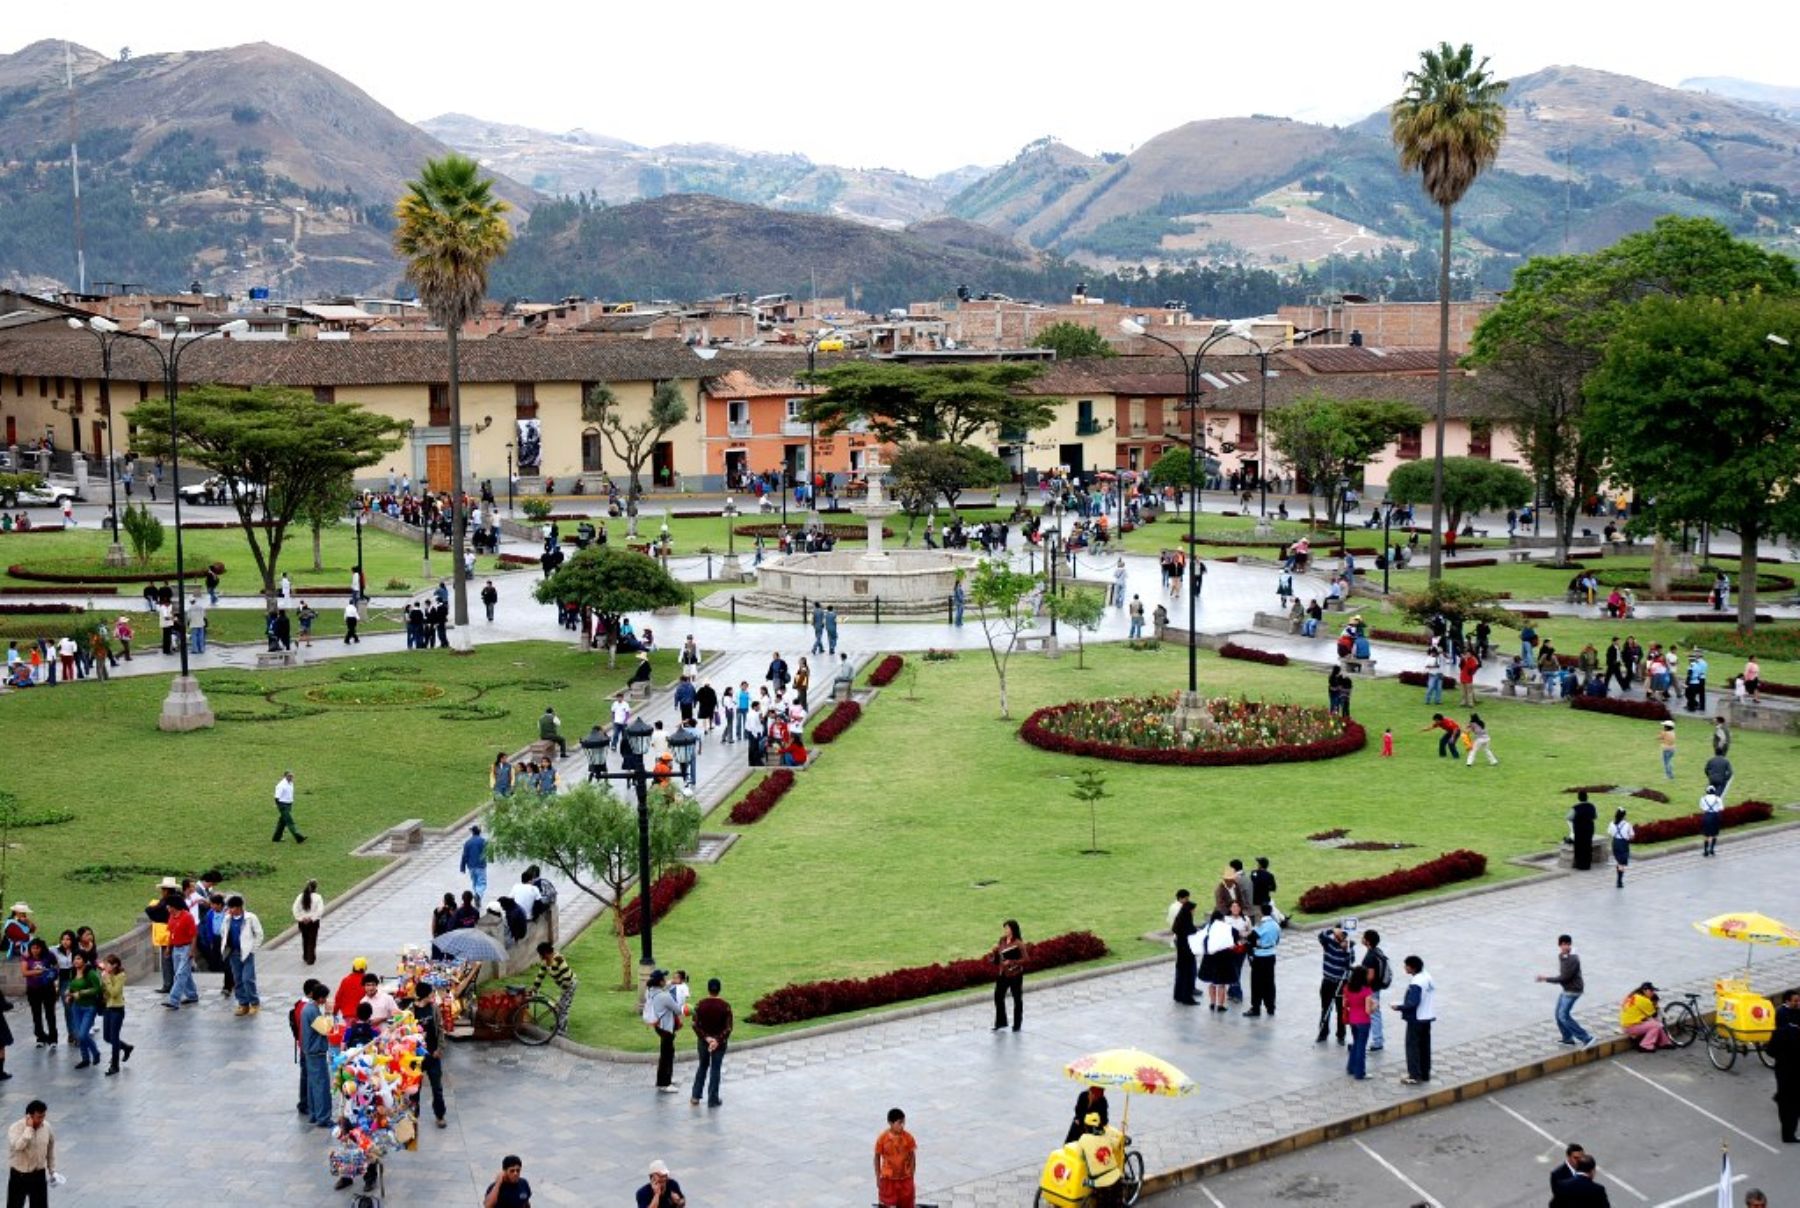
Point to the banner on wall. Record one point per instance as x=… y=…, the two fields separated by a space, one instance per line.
x=530 y=442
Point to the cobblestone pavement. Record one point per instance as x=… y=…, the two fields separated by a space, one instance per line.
x=799 y=1116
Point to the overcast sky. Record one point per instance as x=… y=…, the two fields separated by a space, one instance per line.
x=924 y=87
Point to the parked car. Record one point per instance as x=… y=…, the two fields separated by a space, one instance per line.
x=44 y=495
x=215 y=490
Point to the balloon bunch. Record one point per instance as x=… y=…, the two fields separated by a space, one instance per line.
x=376 y=1082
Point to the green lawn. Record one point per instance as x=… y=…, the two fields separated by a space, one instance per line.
x=1540 y=581
x=222 y=624
x=161 y=804
x=930 y=822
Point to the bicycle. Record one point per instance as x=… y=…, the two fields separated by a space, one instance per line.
x=1057 y=1189
x=1685 y=1023
x=536 y=1020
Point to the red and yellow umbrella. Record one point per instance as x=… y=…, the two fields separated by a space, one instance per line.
x=1750 y=927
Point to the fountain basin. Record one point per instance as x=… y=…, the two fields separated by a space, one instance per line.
x=904 y=580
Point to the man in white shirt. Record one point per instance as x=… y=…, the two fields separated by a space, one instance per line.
x=526 y=895
x=621 y=714
x=196 y=615
x=1420 y=1011
x=382 y=1006
x=284 y=809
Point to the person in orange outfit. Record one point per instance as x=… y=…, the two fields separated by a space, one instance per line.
x=896 y=1160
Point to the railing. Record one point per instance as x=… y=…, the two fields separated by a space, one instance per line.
x=795 y=427
x=738 y=429
x=1087 y=427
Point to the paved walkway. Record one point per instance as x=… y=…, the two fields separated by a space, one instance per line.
x=800 y=1116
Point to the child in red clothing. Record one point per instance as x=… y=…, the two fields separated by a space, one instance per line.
x=1387 y=743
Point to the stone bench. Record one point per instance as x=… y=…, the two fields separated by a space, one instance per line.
x=1046 y=642
x=637 y=690
x=534 y=752
x=842 y=689
x=1334 y=603
x=1280 y=622
x=1531 y=690
x=1356 y=666
x=406 y=836
x=1517 y=555
x=271 y=660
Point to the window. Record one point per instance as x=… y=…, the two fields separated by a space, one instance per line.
x=78 y=397
x=43 y=387
x=1409 y=447
x=1085 y=424
x=439 y=405
x=1481 y=440
x=143 y=392
x=737 y=417
x=1135 y=410
x=324 y=394
x=592 y=455
x=525 y=400
x=1246 y=433
x=793 y=407
x=59 y=387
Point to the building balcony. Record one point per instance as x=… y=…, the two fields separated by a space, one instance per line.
x=1087 y=427
x=795 y=427
x=738 y=430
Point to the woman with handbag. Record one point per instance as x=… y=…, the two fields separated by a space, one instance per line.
x=1621 y=832
x=1008 y=953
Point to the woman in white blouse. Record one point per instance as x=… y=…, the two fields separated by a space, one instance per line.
x=309 y=909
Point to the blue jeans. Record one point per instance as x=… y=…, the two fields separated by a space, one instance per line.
x=1359 y=1048
x=243 y=976
x=1434 y=688
x=1565 y=1019
x=1137 y=627
x=82 y=1028
x=112 y=1027
x=712 y=1061
x=199 y=636
x=1309 y=628
x=183 y=989
x=1669 y=764
x=478 y=881
x=318 y=1089
x=1376 y=1038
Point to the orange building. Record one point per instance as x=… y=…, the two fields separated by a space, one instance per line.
x=753 y=427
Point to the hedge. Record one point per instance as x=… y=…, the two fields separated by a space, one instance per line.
x=1661 y=830
x=1447 y=869
x=761 y=799
x=1354 y=738
x=1401 y=636
x=1469 y=563
x=837 y=721
x=18 y=571
x=1719 y=618
x=1250 y=654
x=1643 y=710
x=87 y=590
x=811 y=1000
x=669 y=889
x=35 y=609
x=886 y=670
x=1418 y=679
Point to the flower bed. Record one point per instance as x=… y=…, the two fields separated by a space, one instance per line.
x=518 y=560
x=669 y=889
x=1250 y=654
x=18 y=571
x=1643 y=710
x=1417 y=679
x=35 y=609
x=1447 y=869
x=1771 y=688
x=1719 y=618
x=812 y=1000
x=1469 y=563
x=1403 y=637
x=886 y=670
x=89 y=590
x=837 y=721
x=1137 y=730
x=935 y=655
x=761 y=799
x=1661 y=830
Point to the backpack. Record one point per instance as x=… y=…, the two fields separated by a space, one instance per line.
x=546 y=892
x=1384 y=972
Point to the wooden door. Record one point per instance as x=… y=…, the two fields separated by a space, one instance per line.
x=437 y=467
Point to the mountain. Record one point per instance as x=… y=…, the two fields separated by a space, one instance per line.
x=615 y=171
x=691 y=245
x=239 y=167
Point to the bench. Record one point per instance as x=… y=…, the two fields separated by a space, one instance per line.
x=637 y=690
x=1356 y=666
x=1045 y=642
x=406 y=836
x=270 y=660
x=1531 y=689
x=1334 y=603
x=534 y=752
x=842 y=689
x=1280 y=622
x=1517 y=555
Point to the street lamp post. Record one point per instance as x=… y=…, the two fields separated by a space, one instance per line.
x=1343 y=488
x=185 y=707
x=812 y=438
x=1387 y=547
x=107 y=332
x=632 y=770
x=1262 y=409
x=733 y=570
x=1190 y=704
x=509 y=480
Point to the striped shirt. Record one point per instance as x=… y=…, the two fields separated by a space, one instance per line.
x=557 y=969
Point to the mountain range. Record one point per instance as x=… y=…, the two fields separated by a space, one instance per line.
x=253 y=166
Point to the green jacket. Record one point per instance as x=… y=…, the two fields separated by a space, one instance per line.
x=86 y=990
x=546 y=725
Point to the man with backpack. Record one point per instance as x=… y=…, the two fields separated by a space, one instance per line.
x=1381 y=976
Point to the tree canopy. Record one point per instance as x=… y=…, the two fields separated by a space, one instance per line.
x=612 y=582
x=1699 y=402
x=1072 y=340
x=1471 y=484
x=925 y=472
x=1001 y=595
x=634 y=442
x=1321 y=438
x=929 y=403
x=282 y=445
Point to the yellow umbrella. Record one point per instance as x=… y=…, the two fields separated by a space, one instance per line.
x=1750 y=927
x=1131 y=1071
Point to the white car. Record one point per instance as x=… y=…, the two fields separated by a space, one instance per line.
x=50 y=496
x=215 y=490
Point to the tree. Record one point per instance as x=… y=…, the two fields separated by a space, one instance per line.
x=929 y=403
x=450 y=233
x=1471 y=485
x=612 y=582
x=1699 y=402
x=1321 y=438
x=1071 y=340
x=1175 y=468
x=324 y=508
x=1082 y=611
x=144 y=531
x=590 y=835
x=1448 y=126
x=634 y=442
x=1005 y=599
x=924 y=473
x=275 y=449
x=1537 y=349
x=1090 y=790
x=1457 y=602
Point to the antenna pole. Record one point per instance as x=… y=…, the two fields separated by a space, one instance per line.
x=75 y=166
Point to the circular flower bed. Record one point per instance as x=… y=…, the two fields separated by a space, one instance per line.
x=1136 y=729
x=838 y=532
x=375 y=694
x=72 y=570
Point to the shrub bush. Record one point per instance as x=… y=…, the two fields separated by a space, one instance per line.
x=1469 y=563
x=886 y=670
x=1415 y=679
x=27 y=610
x=1718 y=618
x=669 y=889
x=1250 y=654
x=837 y=721
x=97 y=576
x=1038 y=732
x=761 y=799
x=1661 y=830
x=1447 y=869
x=812 y=1000
x=1643 y=710
x=535 y=507
x=1404 y=637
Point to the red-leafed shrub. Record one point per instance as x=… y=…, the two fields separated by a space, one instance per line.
x=1531 y=614
x=1661 y=830
x=811 y=1000
x=34 y=609
x=837 y=721
x=1643 y=710
x=100 y=576
x=1469 y=563
x=761 y=799
x=518 y=560
x=1050 y=729
x=1250 y=654
x=87 y=590
x=1447 y=869
x=1415 y=679
x=669 y=889
x=886 y=670
x=1719 y=618
x=1771 y=688
x=1403 y=637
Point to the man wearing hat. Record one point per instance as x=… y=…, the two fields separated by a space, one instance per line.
x=661 y=1191
x=18 y=931
x=1101 y=1149
x=350 y=990
x=161 y=908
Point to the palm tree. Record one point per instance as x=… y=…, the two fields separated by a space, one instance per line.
x=1448 y=125
x=450 y=232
